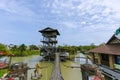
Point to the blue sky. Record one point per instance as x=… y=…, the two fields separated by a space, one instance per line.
x=80 y=22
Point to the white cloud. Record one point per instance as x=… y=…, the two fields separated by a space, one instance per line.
x=70 y=24
x=112 y=4
x=95 y=17
x=92 y=12
x=15 y=7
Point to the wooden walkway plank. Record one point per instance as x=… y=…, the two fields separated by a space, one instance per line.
x=56 y=75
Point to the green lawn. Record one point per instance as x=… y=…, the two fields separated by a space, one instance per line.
x=2 y=72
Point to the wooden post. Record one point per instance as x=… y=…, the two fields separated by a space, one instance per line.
x=93 y=57
x=111 y=61
x=99 y=58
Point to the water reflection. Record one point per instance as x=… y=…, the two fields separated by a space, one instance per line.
x=83 y=59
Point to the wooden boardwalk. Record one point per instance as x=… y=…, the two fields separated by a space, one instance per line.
x=56 y=75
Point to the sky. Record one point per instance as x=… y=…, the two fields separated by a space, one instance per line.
x=80 y=22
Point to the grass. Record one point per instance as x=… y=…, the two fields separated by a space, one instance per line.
x=2 y=72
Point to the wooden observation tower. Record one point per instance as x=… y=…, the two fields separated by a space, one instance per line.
x=49 y=42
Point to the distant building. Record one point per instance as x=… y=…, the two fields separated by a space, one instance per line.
x=108 y=54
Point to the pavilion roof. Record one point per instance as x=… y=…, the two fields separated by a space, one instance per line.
x=48 y=29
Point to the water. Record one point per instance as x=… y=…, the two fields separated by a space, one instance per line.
x=30 y=60
x=82 y=60
x=68 y=73
x=71 y=73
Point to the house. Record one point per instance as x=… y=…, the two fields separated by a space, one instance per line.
x=108 y=54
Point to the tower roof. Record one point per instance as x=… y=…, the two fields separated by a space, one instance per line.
x=48 y=29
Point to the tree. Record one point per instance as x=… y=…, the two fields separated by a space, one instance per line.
x=22 y=48
x=14 y=48
x=92 y=45
x=3 y=48
x=102 y=44
x=33 y=47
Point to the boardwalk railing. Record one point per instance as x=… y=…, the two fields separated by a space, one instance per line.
x=56 y=75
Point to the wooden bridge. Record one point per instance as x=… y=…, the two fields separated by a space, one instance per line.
x=56 y=75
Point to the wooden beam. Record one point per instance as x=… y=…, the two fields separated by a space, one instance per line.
x=111 y=61
x=99 y=58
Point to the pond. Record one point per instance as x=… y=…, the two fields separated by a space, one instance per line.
x=68 y=73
